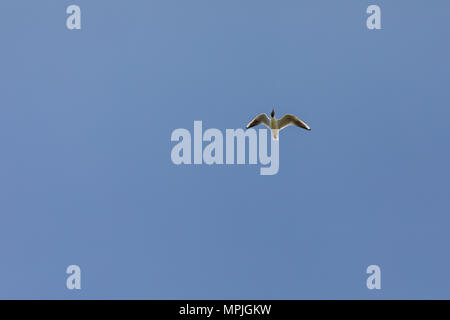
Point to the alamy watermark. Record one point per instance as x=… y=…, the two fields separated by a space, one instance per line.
x=374 y=280
x=74 y=279
x=236 y=141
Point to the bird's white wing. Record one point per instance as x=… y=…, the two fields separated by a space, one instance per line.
x=259 y=119
x=291 y=120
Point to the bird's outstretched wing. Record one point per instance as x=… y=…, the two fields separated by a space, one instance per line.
x=259 y=119
x=291 y=120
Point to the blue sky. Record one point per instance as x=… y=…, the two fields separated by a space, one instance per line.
x=86 y=176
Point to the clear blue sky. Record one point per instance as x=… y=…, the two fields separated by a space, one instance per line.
x=85 y=170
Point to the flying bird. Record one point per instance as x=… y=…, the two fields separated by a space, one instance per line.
x=276 y=125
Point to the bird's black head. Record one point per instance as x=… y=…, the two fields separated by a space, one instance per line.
x=272 y=114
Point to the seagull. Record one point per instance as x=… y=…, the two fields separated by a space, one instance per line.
x=276 y=125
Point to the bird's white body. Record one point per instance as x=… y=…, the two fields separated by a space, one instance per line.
x=276 y=125
x=274 y=128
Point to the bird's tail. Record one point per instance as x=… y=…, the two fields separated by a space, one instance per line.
x=275 y=134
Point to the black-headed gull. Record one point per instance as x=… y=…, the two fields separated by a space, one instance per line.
x=276 y=125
